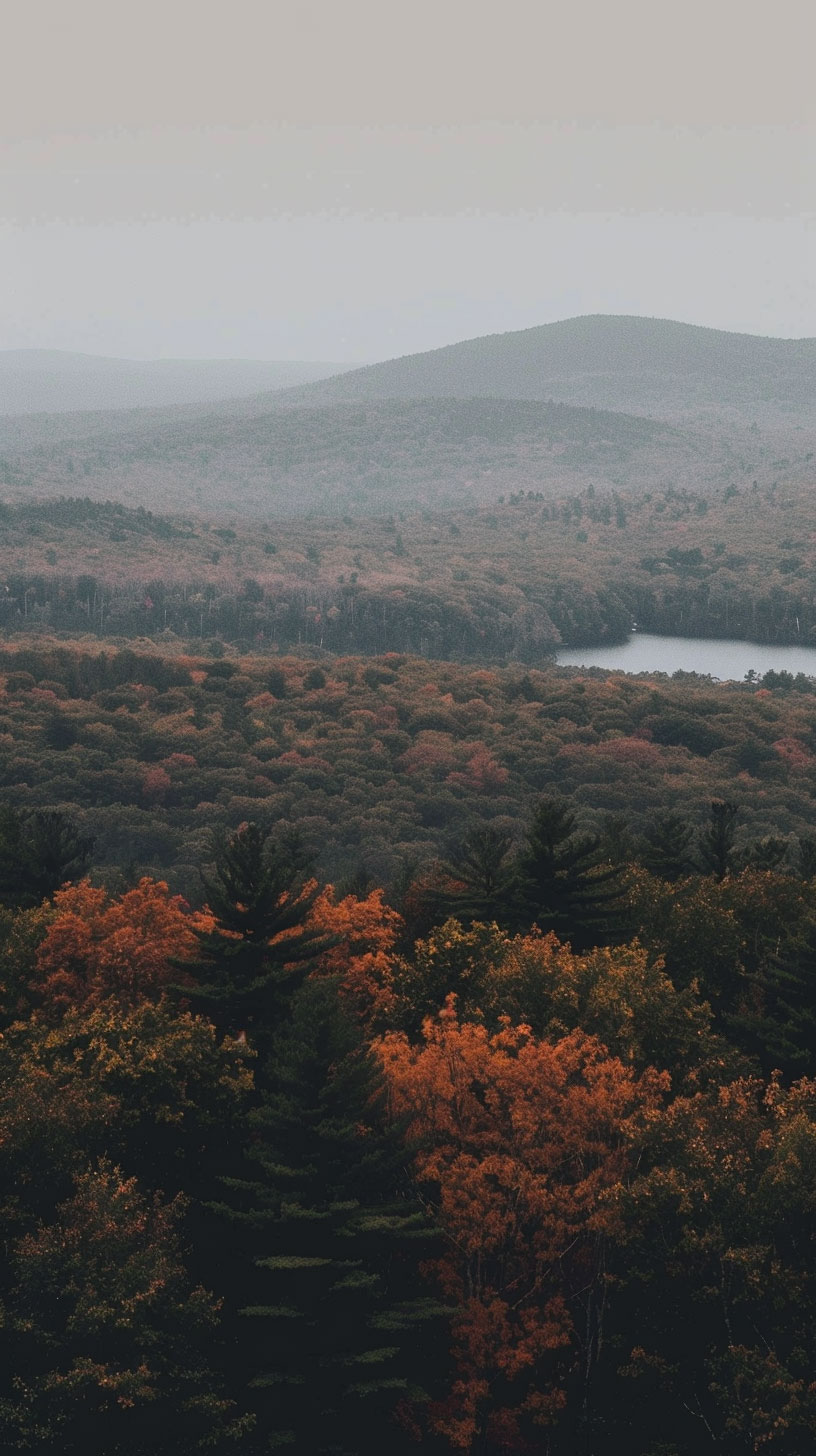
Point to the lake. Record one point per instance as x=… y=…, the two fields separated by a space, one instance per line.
x=719 y=657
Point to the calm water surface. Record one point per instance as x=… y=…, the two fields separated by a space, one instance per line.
x=645 y=652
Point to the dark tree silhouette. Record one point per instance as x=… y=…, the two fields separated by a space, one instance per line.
x=806 y=857
x=717 y=839
x=261 y=946
x=38 y=853
x=334 y=1328
x=481 y=876
x=561 y=881
x=667 y=850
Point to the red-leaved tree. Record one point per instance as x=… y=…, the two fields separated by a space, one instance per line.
x=523 y=1143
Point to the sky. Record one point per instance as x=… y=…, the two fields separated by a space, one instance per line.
x=356 y=179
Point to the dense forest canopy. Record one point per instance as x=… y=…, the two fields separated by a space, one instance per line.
x=383 y=762
x=519 y=1161
x=406 y=1043
x=367 y=457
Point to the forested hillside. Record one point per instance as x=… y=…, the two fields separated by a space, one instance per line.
x=377 y=456
x=611 y=403
x=637 y=365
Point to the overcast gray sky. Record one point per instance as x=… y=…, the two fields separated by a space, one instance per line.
x=352 y=179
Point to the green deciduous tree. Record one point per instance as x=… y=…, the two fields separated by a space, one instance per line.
x=105 y=1336
x=714 y=1328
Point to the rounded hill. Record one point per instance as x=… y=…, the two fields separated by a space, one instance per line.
x=613 y=362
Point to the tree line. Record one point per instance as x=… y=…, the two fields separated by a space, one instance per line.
x=510 y=582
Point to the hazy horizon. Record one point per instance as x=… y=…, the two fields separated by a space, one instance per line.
x=308 y=182
x=353 y=363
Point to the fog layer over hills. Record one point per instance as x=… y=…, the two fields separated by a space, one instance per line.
x=48 y=380
x=546 y=410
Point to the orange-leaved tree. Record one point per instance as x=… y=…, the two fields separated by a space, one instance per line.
x=127 y=948
x=522 y=1144
x=361 y=935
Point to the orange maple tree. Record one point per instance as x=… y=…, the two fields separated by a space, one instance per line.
x=363 y=934
x=98 y=947
x=523 y=1143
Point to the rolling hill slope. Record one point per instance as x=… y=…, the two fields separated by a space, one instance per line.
x=636 y=365
x=387 y=455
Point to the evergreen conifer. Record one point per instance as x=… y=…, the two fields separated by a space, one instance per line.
x=261 y=947
x=667 y=848
x=482 y=876
x=332 y=1334
x=561 y=881
x=717 y=839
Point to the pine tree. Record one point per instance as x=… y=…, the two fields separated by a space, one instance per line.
x=561 y=882
x=11 y=856
x=805 y=859
x=667 y=849
x=779 y=1026
x=261 y=945
x=333 y=1335
x=481 y=874
x=717 y=839
x=38 y=853
x=56 y=851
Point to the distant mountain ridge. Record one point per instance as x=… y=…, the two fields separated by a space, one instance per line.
x=34 y=381
x=616 y=362
x=615 y=403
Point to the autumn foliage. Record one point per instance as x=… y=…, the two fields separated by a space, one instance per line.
x=545 y=1132
x=362 y=934
x=523 y=1145
x=98 y=947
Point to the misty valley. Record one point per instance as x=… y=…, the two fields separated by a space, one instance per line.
x=408 y=899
